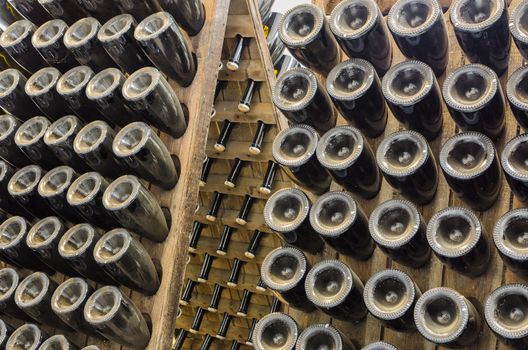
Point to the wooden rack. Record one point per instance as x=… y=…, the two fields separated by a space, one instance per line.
x=244 y=19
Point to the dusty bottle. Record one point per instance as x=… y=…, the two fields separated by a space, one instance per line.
x=445 y=317
x=275 y=331
x=513 y=161
x=33 y=296
x=8 y=148
x=303 y=100
x=287 y=213
x=337 y=217
x=93 y=144
x=67 y=302
x=347 y=155
x=295 y=150
x=43 y=238
x=23 y=187
x=41 y=87
x=81 y=40
x=518 y=28
x=9 y=280
x=419 y=29
x=117 y=37
x=323 y=336
x=336 y=290
x=48 y=40
x=511 y=240
x=76 y=248
x=307 y=35
x=472 y=170
x=31 y=10
x=16 y=41
x=457 y=239
x=57 y=341
x=414 y=97
x=356 y=92
x=189 y=14
x=505 y=310
x=390 y=296
x=516 y=91
x=85 y=195
x=361 y=32
x=13 y=98
x=28 y=337
x=399 y=230
x=475 y=100
x=138 y=146
x=167 y=47
x=104 y=91
x=409 y=166
x=116 y=318
x=380 y=345
x=29 y=138
x=481 y=29
x=127 y=261
x=136 y=208
x=8 y=204
x=284 y=271
x=71 y=86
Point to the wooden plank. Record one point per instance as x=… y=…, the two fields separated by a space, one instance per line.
x=249 y=69
x=229 y=110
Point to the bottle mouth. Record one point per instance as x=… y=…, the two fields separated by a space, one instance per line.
x=32 y=290
x=56 y=181
x=16 y=33
x=471 y=87
x=514 y=157
x=8 y=283
x=8 y=124
x=104 y=83
x=90 y=137
x=300 y=25
x=353 y=18
x=328 y=283
x=407 y=83
x=85 y=188
x=115 y=27
x=379 y=346
x=394 y=223
x=333 y=214
x=31 y=131
x=141 y=83
x=81 y=32
x=510 y=234
x=112 y=246
x=26 y=337
x=295 y=145
x=121 y=193
x=44 y=232
x=413 y=17
x=56 y=342
x=61 y=130
x=153 y=26
x=295 y=89
x=25 y=180
x=506 y=311
x=467 y=155
x=42 y=81
x=517 y=88
x=275 y=331
x=350 y=79
x=12 y=231
x=453 y=232
x=49 y=33
x=69 y=296
x=441 y=315
x=389 y=294
x=76 y=240
x=286 y=210
x=475 y=15
x=402 y=153
x=519 y=22
x=131 y=139
x=320 y=336
x=340 y=147
x=103 y=305
x=283 y=268
x=74 y=80
x=9 y=80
